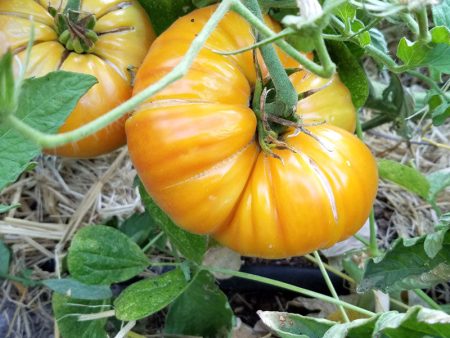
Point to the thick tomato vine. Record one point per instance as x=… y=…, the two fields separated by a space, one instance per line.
x=114 y=35
x=194 y=147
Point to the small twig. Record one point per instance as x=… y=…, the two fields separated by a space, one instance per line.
x=83 y=209
x=397 y=138
x=97 y=315
x=124 y=331
x=436 y=144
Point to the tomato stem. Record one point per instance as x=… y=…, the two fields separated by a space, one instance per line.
x=361 y=239
x=332 y=269
x=286 y=32
x=290 y=287
x=322 y=53
x=152 y=241
x=320 y=70
x=285 y=94
x=410 y=22
x=422 y=20
x=72 y=5
x=427 y=299
x=330 y=285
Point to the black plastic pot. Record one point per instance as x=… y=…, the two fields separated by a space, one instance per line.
x=305 y=277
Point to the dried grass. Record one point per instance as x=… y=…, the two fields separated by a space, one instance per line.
x=59 y=196
x=400 y=213
x=56 y=198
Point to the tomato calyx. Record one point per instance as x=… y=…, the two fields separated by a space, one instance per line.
x=75 y=28
x=273 y=130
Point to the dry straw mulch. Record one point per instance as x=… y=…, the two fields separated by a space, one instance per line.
x=60 y=195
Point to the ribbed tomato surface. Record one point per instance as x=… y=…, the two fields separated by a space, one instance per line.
x=194 y=147
x=125 y=35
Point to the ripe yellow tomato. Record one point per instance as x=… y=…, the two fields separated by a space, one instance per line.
x=194 y=147
x=124 y=35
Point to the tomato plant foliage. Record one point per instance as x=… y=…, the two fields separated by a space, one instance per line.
x=45 y=103
x=416 y=322
x=416 y=263
x=66 y=311
x=103 y=255
x=272 y=181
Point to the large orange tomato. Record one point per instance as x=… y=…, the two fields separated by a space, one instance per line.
x=194 y=147
x=124 y=34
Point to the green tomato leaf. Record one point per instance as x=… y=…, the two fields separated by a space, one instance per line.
x=440 y=114
x=439 y=107
x=378 y=40
x=406 y=177
x=103 y=255
x=150 y=295
x=66 y=311
x=438 y=58
x=5 y=208
x=410 y=265
x=441 y=13
x=191 y=246
x=5 y=257
x=202 y=310
x=163 y=13
x=399 y=104
x=434 y=242
x=44 y=103
x=444 y=220
x=412 y=53
x=364 y=37
x=416 y=54
x=438 y=180
x=395 y=104
x=350 y=72
x=138 y=227
x=417 y=322
x=346 y=12
x=290 y=325
x=440 y=34
x=73 y=288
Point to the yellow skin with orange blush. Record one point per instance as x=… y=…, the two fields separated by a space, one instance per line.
x=125 y=34
x=195 y=149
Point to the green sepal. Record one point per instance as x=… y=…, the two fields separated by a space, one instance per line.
x=8 y=96
x=64 y=37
